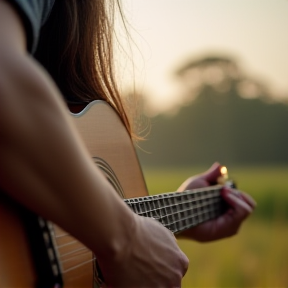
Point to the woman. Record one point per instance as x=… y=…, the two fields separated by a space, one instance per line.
x=74 y=47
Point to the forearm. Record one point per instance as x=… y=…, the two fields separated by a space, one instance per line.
x=44 y=164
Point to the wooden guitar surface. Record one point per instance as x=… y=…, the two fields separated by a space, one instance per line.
x=37 y=253
x=110 y=145
x=16 y=262
x=112 y=150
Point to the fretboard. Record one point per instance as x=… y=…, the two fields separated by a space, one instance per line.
x=180 y=211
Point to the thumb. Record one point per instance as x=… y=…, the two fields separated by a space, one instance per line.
x=212 y=173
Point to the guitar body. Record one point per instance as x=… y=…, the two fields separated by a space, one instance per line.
x=37 y=253
x=110 y=145
x=111 y=148
x=107 y=139
x=16 y=261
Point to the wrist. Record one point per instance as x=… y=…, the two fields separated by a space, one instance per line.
x=116 y=237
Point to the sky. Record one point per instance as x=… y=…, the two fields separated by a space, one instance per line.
x=168 y=32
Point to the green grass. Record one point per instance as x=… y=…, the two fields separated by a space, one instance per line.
x=258 y=255
x=267 y=185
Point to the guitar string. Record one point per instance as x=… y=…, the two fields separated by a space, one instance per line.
x=89 y=251
x=208 y=207
x=71 y=257
x=82 y=263
x=205 y=205
x=195 y=215
x=192 y=204
x=151 y=210
x=195 y=194
x=108 y=171
x=154 y=198
x=79 y=265
x=67 y=244
x=176 y=209
x=181 y=199
x=89 y=261
x=85 y=262
x=81 y=249
x=178 y=224
x=192 y=220
x=174 y=218
x=147 y=201
x=62 y=235
x=201 y=191
x=156 y=209
x=74 y=251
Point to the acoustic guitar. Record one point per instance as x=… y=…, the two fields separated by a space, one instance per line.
x=37 y=253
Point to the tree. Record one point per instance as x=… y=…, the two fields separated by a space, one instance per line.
x=227 y=117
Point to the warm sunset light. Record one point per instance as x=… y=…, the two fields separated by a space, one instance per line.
x=224 y=172
x=169 y=33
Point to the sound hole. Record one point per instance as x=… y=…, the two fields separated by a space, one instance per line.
x=109 y=174
x=113 y=180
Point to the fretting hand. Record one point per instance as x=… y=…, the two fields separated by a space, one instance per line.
x=226 y=225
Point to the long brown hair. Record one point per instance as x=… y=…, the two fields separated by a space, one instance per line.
x=76 y=47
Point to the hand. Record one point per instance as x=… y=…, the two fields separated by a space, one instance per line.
x=152 y=259
x=228 y=224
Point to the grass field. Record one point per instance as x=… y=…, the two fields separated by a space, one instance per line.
x=258 y=255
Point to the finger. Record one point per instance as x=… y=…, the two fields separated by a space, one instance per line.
x=193 y=183
x=185 y=260
x=171 y=232
x=174 y=236
x=244 y=196
x=241 y=209
x=248 y=199
x=213 y=173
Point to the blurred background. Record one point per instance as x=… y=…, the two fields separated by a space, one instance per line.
x=212 y=78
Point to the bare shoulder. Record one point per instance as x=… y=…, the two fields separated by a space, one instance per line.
x=12 y=32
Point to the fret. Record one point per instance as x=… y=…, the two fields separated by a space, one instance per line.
x=185 y=216
x=166 y=205
x=202 y=215
x=154 y=206
x=144 y=212
x=141 y=207
x=161 y=205
x=180 y=211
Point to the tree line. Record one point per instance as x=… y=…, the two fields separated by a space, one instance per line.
x=219 y=124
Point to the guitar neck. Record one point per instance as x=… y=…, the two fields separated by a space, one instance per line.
x=181 y=211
